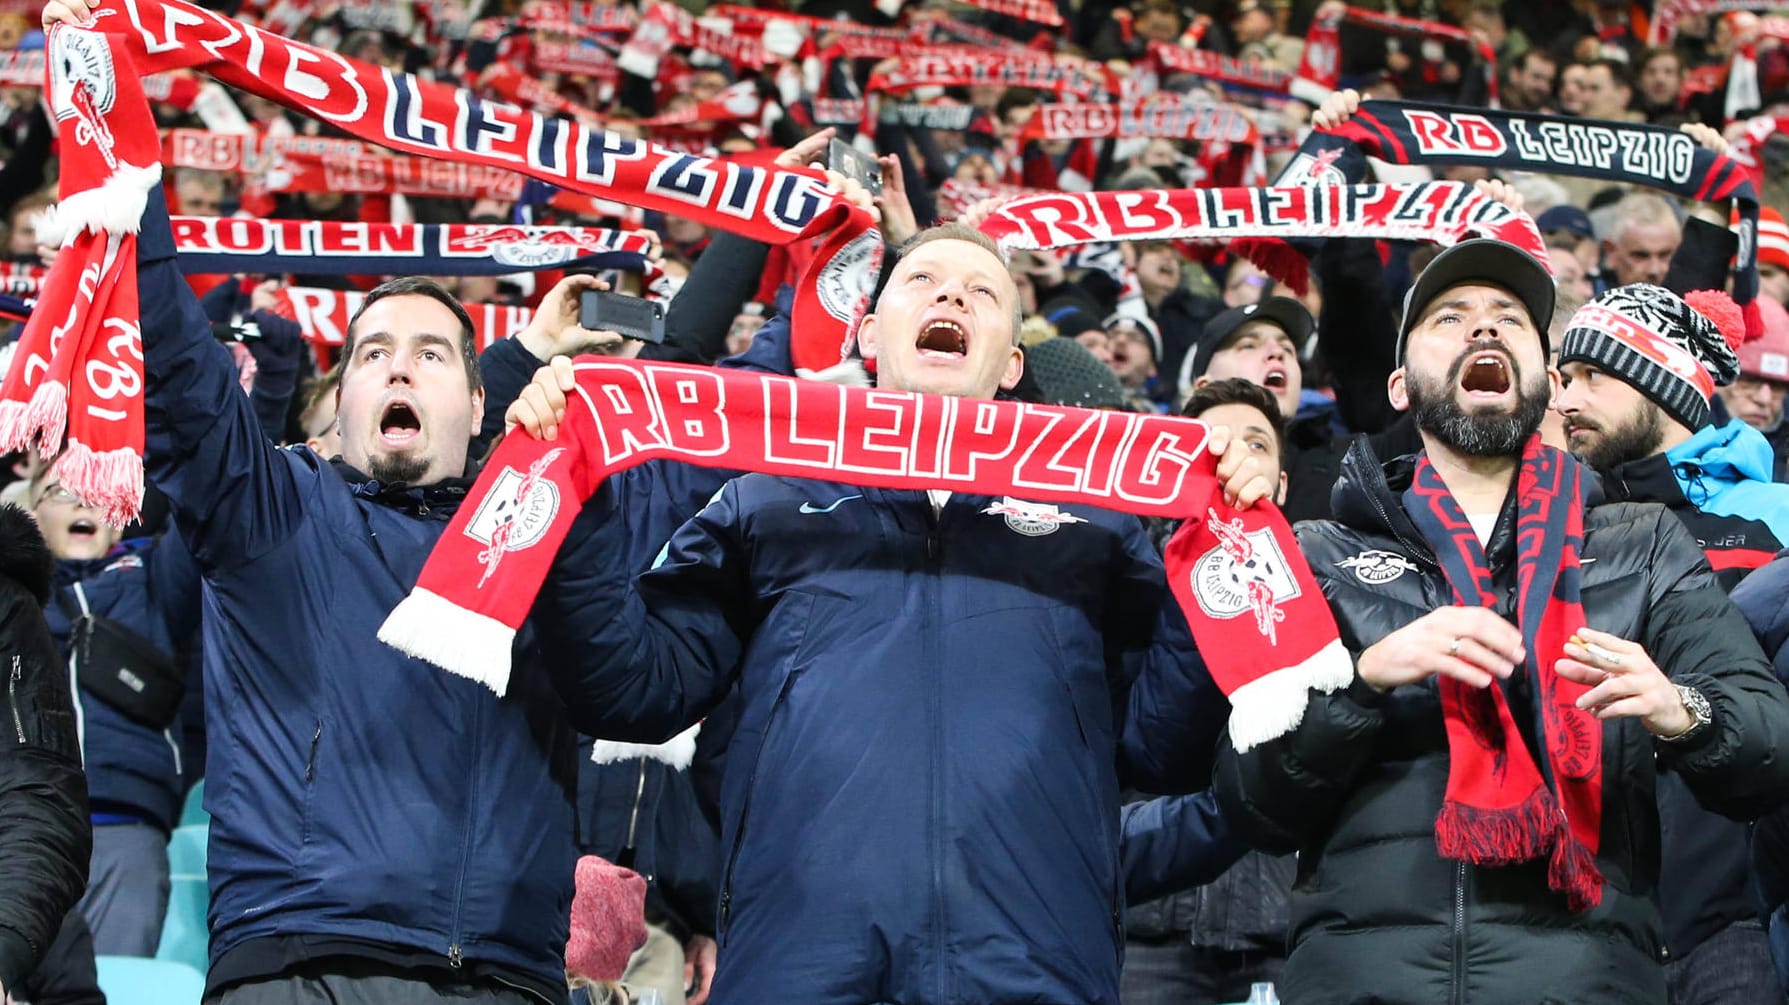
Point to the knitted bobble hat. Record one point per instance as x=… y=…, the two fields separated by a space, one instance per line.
x=1660 y=344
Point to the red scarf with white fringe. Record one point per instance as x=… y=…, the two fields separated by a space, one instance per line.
x=74 y=391
x=1260 y=621
x=1499 y=808
x=776 y=205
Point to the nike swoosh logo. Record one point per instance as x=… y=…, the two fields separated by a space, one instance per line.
x=808 y=507
x=1585 y=561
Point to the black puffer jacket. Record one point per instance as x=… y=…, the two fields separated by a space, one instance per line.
x=45 y=837
x=1377 y=914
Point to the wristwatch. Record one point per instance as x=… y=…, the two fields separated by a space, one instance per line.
x=1700 y=711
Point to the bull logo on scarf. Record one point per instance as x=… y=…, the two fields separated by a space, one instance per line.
x=1246 y=572
x=84 y=86
x=515 y=513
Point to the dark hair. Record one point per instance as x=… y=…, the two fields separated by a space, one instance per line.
x=962 y=232
x=422 y=286
x=1619 y=72
x=1521 y=61
x=1660 y=51
x=1238 y=391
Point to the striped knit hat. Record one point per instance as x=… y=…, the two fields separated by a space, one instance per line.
x=1663 y=346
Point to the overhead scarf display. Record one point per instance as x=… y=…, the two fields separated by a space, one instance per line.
x=775 y=205
x=229 y=245
x=1261 y=622
x=1406 y=132
x=1160 y=115
x=74 y=389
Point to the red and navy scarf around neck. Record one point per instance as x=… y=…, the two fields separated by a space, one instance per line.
x=1502 y=808
x=1407 y=132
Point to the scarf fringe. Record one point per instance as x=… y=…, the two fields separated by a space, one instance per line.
x=1572 y=871
x=38 y=424
x=1272 y=705
x=676 y=753
x=431 y=627
x=107 y=480
x=1504 y=836
x=115 y=207
x=1277 y=259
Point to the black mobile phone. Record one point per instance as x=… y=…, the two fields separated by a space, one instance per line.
x=855 y=164
x=631 y=317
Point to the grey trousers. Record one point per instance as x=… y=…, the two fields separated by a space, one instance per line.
x=127 y=889
x=372 y=989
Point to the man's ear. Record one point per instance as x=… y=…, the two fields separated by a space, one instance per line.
x=478 y=408
x=1397 y=390
x=1279 y=494
x=1200 y=381
x=1015 y=368
x=867 y=344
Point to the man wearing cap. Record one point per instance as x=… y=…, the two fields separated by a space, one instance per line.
x=1260 y=343
x=1133 y=345
x=1756 y=398
x=1474 y=813
x=1639 y=367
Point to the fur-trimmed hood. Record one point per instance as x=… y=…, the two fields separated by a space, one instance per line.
x=24 y=557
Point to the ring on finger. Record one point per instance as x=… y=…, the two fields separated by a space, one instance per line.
x=1453 y=648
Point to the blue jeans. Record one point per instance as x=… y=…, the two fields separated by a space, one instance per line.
x=1180 y=973
x=1733 y=967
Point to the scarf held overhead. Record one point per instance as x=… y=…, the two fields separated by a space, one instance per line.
x=1404 y=132
x=776 y=205
x=226 y=245
x=1499 y=809
x=74 y=390
x=1256 y=612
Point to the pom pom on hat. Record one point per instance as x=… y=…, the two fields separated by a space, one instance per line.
x=1720 y=309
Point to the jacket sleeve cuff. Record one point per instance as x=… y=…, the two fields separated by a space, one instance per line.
x=17 y=959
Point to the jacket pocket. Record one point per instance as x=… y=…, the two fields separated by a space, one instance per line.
x=310 y=781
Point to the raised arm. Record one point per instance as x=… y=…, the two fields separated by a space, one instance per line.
x=233 y=495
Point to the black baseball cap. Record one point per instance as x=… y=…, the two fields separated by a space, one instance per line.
x=1488 y=262
x=1286 y=312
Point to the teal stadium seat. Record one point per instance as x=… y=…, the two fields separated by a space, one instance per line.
x=128 y=980
x=186 y=938
x=194 y=810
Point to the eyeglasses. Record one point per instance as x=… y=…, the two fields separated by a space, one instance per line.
x=60 y=496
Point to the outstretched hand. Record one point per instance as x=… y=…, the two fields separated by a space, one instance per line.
x=1336 y=109
x=540 y=408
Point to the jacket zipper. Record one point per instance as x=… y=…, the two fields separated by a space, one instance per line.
x=628 y=854
x=12 y=697
x=935 y=713
x=745 y=809
x=1459 y=940
x=454 y=955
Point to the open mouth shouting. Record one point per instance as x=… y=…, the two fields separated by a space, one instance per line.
x=1276 y=379
x=83 y=529
x=399 y=425
x=1486 y=375
x=942 y=339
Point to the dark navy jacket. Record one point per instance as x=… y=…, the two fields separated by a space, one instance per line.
x=152 y=588
x=921 y=798
x=358 y=796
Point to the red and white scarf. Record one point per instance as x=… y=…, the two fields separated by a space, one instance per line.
x=1260 y=621
x=776 y=205
x=1162 y=115
x=74 y=391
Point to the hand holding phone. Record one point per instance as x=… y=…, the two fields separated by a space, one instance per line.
x=630 y=317
x=855 y=165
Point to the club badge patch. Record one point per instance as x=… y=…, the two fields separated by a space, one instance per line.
x=1246 y=572
x=1031 y=519
x=1376 y=568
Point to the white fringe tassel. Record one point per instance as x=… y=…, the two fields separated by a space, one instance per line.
x=1273 y=705
x=431 y=627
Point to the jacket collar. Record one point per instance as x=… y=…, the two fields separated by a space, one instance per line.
x=437 y=501
x=1369 y=497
